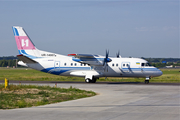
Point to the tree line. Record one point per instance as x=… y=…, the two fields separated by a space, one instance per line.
x=160 y=60
x=161 y=65
x=5 y=63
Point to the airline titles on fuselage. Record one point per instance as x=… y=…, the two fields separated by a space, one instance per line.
x=52 y=55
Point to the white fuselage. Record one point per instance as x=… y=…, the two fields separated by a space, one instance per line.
x=82 y=65
x=118 y=67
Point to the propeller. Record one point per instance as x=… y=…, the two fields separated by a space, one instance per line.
x=106 y=60
x=118 y=54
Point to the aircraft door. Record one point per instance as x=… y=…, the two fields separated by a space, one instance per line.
x=142 y=67
x=125 y=67
x=57 y=65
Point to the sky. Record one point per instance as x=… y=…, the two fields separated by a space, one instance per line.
x=136 y=28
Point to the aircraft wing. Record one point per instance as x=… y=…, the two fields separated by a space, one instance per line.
x=26 y=59
x=92 y=60
x=82 y=55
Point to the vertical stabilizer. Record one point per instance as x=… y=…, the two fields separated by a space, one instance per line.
x=22 y=39
x=24 y=44
x=26 y=47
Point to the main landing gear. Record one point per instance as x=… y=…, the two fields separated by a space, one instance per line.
x=88 y=80
x=147 y=80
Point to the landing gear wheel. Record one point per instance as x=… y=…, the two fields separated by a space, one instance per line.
x=87 y=80
x=146 y=81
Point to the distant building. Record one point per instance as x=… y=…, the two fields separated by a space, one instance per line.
x=177 y=66
x=171 y=66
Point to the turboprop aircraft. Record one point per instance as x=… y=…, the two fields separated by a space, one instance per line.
x=89 y=66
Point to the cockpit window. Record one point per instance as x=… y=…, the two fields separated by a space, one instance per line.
x=148 y=64
x=145 y=64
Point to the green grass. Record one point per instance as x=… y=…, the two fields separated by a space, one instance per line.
x=26 y=74
x=20 y=96
x=169 y=76
x=23 y=74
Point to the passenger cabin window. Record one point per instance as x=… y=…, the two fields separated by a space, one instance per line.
x=71 y=64
x=123 y=64
x=116 y=64
x=142 y=64
x=113 y=64
x=75 y=64
x=64 y=64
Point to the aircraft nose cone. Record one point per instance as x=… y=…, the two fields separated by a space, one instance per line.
x=160 y=73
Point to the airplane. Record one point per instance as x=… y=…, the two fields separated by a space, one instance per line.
x=89 y=66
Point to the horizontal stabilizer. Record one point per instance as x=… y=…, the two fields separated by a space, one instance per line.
x=26 y=59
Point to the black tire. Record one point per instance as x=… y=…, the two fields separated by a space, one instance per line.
x=93 y=80
x=146 y=81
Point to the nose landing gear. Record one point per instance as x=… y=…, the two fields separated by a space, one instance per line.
x=147 y=80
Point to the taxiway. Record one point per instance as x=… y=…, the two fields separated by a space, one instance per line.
x=113 y=102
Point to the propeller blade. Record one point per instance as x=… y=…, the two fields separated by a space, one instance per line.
x=106 y=60
x=117 y=54
x=107 y=53
x=106 y=67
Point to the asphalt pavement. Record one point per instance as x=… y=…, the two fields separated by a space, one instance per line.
x=113 y=102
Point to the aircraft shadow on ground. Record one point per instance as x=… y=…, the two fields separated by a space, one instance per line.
x=98 y=82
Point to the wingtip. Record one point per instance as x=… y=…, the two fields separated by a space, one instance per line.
x=71 y=54
x=19 y=55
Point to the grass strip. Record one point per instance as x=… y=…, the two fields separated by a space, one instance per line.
x=26 y=74
x=20 y=96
